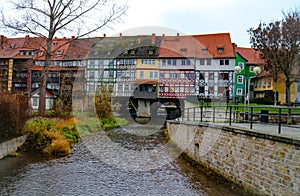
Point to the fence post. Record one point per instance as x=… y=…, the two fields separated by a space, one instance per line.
x=230 y=110
x=279 y=121
x=214 y=112
x=251 y=119
x=194 y=114
x=201 y=113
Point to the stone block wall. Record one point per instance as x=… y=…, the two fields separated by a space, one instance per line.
x=11 y=146
x=261 y=163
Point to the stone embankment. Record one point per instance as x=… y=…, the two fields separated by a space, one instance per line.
x=11 y=146
x=262 y=163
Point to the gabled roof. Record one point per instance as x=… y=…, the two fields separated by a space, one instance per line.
x=11 y=47
x=36 y=93
x=251 y=55
x=126 y=47
x=214 y=42
x=199 y=46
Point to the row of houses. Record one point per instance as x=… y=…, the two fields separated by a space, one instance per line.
x=143 y=66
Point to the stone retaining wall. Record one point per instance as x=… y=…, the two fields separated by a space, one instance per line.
x=11 y=146
x=262 y=163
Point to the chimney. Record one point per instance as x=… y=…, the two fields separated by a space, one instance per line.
x=104 y=35
x=27 y=37
x=177 y=35
x=3 y=38
x=139 y=39
x=73 y=37
x=163 y=38
x=121 y=37
x=153 y=39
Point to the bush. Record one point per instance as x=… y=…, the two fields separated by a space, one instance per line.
x=14 y=112
x=103 y=103
x=51 y=137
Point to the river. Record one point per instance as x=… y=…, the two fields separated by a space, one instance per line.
x=83 y=172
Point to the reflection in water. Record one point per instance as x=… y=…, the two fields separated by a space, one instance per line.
x=81 y=173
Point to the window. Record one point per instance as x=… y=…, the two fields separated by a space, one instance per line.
x=68 y=63
x=151 y=74
x=204 y=50
x=240 y=79
x=188 y=62
x=150 y=52
x=239 y=91
x=220 y=49
x=208 y=61
x=298 y=88
x=183 y=62
x=163 y=61
x=202 y=62
x=78 y=63
x=183 y=50
x=169 y=61
x=59 y=53
x=251 y=68
x=241 y=65
x=148 y=61
x=155 y=74
x=224 y=62
x=35 y=102
x=41 y=53
x=141 y=74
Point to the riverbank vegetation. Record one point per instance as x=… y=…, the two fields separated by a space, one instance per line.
x=14 y=112
x=54 y=137
x=56 y=134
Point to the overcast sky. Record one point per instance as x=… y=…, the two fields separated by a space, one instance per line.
x=202 y=16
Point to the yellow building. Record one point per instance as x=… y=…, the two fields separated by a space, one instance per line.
x=264 y=88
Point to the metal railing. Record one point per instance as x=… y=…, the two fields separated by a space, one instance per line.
x=246 y=116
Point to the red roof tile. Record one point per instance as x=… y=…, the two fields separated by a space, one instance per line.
x=196 y=45
x=80 y=48
x=251 y=55
x=58 y=44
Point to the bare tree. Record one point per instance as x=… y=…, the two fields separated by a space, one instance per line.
x=49 y=18
x=279 y=43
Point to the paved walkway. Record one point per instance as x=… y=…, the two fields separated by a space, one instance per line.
x=291 y=131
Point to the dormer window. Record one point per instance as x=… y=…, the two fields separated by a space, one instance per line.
x=41 y=53
x=150 y=52
x=132 y=52
x=204 y=50
x=59 y=52
x=131 y=43
x=111 y=44
x=183 y=51
x=220 y=49
x=21 y=53
x=109 y=52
